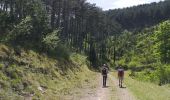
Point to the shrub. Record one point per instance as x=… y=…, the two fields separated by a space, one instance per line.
x=164 y=74
x=121 y=62
x=6 y=22
x=133 y=64
x=51 y=40
x=21 y=31
x=17 y=85
x=54 y=47
x=4 y=84
x=1 y=66
x=154 y=77
x=63 y=52
x=13 y=72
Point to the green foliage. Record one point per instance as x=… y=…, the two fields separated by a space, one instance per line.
x=54 y=47
x=146 y=90
x=164 y=74
x=14 y=72
x=121 y=62
x=163 y=37
x=62 y=51
x=17 y=85
x=39 y=19
x=24 y=74
x=149 y=53
x=21 y=32
x=138 y=17
x=5 y=25
x=92 y=56
x=52 y=40
x=30 y=25
x=159 y=76
x=133 y=64
x=1 y=66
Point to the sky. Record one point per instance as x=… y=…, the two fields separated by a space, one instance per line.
x=112 y=4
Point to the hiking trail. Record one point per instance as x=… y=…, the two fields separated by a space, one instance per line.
x=95 y=91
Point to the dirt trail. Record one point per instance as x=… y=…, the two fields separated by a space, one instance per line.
x=103 y=93
x=95 y=91
x=122 y=93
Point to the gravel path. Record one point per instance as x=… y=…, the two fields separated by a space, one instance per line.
x=95 y=91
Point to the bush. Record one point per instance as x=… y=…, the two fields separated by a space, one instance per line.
x=17 y=85
x=21 y=31
x=62 y=52
x=154 y=77
x=133 y=65
x=13 y=72
x=6 y=22
x=1 y=66
x=51 y=40
x=4 y=84
x=122 y=62
x=164 y=74
x=54 y=47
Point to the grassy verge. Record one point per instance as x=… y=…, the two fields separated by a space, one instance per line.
x=28 y=74
x=146 y=90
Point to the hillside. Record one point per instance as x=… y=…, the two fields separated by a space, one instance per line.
x=28 y=74
x=142 y=16
x=145 y=90
x=148 y=53
x=53 y=49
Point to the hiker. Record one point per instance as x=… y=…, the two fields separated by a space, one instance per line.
x=104 y=74
x=120 y=75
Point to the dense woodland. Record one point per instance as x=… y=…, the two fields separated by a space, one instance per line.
x=81 y=25
x=129 y=36
x=137 y=17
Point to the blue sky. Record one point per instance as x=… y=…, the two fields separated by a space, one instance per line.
x=112 y=4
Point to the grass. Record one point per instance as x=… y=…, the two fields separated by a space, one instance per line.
x=146 y=90
x=28 y=71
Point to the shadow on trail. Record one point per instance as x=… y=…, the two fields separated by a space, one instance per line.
x=106 y=87
x=123 y=87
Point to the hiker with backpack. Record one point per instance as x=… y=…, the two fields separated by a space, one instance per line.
x=120 y=75
x=104 y=74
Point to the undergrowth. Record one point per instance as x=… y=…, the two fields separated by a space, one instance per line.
x=28 y=74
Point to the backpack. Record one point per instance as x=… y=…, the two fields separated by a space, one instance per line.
x=104 y=71
x=120 y=72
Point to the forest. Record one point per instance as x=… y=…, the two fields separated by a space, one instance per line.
x=137 y=38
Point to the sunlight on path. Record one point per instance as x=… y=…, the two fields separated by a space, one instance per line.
x=111 y=92
x=123 y=93
x=102 y=93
